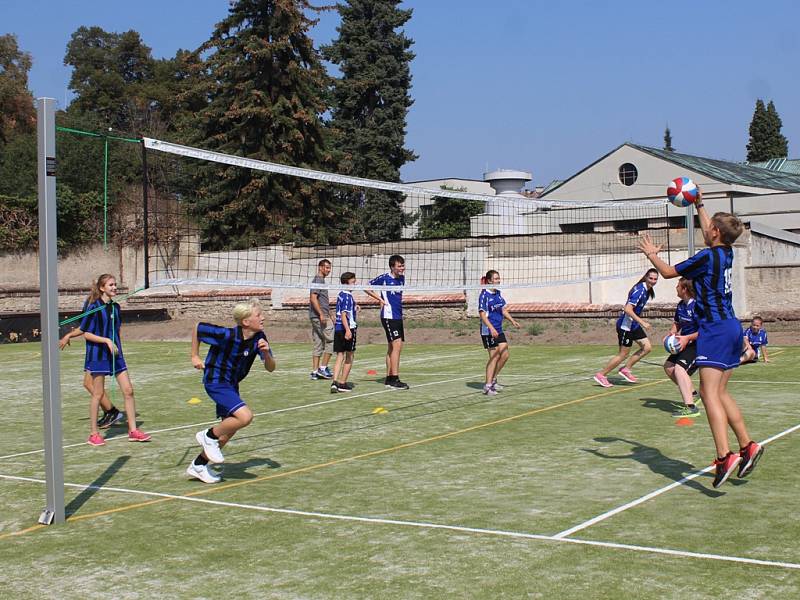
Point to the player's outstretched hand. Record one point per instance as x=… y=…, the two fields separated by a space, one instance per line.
x=647 y=246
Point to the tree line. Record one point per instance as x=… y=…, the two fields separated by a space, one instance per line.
x=257 y=88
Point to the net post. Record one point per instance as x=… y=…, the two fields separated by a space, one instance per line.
x=690 y=230
x=474 y=269
x=48 y=303
x=145 y=222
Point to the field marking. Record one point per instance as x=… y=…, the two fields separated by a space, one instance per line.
x=658 y=492
x=403 y=523
x=309 y=468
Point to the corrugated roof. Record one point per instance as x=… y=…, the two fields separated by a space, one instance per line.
x=729 y=172
x=783 y=165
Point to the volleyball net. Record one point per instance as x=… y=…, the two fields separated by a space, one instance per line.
x=203 y=206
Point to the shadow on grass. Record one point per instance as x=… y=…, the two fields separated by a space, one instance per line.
x=104 y=477
x=239 y=470
x=658 y=463
x=668 y=406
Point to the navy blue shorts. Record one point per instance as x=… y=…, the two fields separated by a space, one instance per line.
x=719 y=344
x=685 y=358
x=626 y=338
x=226 y=398
x=104 y=367
x=393 y=329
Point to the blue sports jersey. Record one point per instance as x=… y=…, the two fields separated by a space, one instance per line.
x=492 y=304
x=711 y=272
x=104 y=323
x=393 y=309
x=230 y=356
x=685 y=317
x=638 y=297
x=756 y=339
x=345 y=303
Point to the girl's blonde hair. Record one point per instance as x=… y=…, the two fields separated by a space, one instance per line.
x=96 y=287
x=244 y=310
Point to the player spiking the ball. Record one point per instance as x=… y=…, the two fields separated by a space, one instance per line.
x=719 y=341
x=231 y=355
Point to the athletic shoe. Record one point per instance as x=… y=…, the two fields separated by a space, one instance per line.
x=334 y=388
x=685 y=411
x=110 y=418
x=314 y=375
x=210 y=447
x=137 y=435
x=328 y=372
x=489 y=390
x=343 y=387
x=725 y=467
x=497 y=387
x=96 y=440
x=602 y=380
x=202 y=473
x=323 y=373
x=627 y=375
x=396 y=384
x=348 y=385
x=750 y=456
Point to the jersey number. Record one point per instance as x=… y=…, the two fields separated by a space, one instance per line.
x=728 y=281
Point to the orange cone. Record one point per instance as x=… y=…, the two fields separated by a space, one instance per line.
x=684 y=422
x=372 y=372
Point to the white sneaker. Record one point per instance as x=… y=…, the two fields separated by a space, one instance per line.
x=210 y=447
x=489 y=390
x=497 y=387
x=202 y=473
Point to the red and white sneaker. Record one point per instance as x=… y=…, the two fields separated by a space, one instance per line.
x=96 y=440
x=627 y=375
x=602 y=380
x=750 y=455
x=137 y=435
x=724 y=467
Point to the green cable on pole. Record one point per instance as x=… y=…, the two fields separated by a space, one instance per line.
x=103 y=135
x=105 y=195
x=89 y=312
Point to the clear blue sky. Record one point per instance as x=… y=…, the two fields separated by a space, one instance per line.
x=543 y=86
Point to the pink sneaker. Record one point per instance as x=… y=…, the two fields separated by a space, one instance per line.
x=138 y=436
x=96 y=440
x=627 y=375
x=602 y=380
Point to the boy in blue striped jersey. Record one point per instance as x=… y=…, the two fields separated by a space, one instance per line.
x=392 y=317
x=233 y=351
x=344 y=335
x=719 y=342
x=755 y=341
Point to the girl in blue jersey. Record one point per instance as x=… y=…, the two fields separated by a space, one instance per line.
x=101 y=329
x=232 y=352
x=631 y=328
x=680 y=366
x=755 y=342
x=719 y=342
x=492 y=310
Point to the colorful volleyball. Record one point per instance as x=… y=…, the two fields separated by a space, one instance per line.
x=671 y=344
x=682 y=192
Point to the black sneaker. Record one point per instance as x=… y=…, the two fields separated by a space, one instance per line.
x=334 y=388
x=343 y=387
x=349 y=386
x=110 y=418
x=397 y=384
x=750 y=455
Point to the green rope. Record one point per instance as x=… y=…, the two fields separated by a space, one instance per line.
x=102 y=135
x=89 y=312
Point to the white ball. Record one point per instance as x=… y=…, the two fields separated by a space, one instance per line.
x=671 y=344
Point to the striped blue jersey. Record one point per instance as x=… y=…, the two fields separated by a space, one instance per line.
x=393 y=309
x=230 y=356
x=638 y=297
x=106 y=323
x=492 y=304
x=711 y=272
x=756 y=339
x=685 y=317
x=345 y=303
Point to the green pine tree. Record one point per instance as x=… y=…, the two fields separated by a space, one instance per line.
x=370 y=104
x=758 y=146
x=668 y=140
x=17 y=115
x=778 y=144
x=266 y=87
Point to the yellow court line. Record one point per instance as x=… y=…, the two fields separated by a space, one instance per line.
x=339 y=461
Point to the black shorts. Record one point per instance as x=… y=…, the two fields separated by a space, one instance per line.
x=394 y=330
x=489 y=342
x=685 y=358
x=626 y=338
x=340 y=344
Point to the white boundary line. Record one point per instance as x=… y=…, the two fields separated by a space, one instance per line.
x=425 y=525
x=658 y=492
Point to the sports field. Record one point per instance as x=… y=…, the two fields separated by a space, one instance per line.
x=555 y=488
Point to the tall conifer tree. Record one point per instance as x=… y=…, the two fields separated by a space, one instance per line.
x=265 y=85
x=779 y=145
x=766 y=139
x=370 y=104
x=668 y=140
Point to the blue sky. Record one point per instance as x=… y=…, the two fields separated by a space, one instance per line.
x=543 y=86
